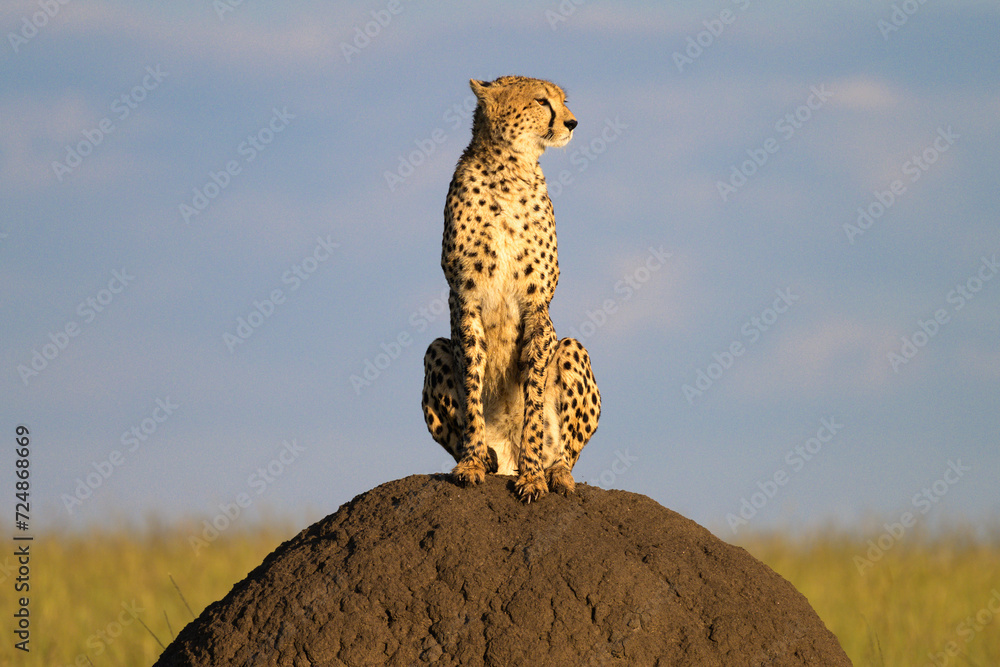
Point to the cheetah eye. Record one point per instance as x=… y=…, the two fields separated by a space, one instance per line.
x=543 y=101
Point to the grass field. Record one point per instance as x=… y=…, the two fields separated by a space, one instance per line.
x=910 y=605
x=99 y=599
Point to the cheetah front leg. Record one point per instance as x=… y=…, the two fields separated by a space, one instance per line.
x=539 y=342
x=469 y=341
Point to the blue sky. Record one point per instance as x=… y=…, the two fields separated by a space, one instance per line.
x=778 y=226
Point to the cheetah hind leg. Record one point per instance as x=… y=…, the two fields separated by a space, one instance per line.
x=575 y=395
x=441 y=402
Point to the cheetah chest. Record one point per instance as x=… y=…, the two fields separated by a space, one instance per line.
x=502 y=303
x=510 y=272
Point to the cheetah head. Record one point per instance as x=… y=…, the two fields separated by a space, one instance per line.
x=529 y=115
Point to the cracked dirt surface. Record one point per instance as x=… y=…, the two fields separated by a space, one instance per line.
x=421 y=571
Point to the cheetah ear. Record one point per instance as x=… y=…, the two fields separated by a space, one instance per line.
x=480 y=88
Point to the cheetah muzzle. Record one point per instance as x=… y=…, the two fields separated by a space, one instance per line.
x=504 y=395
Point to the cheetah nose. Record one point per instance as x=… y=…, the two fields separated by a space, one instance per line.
x=570 y=124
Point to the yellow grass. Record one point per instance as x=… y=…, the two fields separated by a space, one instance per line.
x=922 y=601
x=90 y=594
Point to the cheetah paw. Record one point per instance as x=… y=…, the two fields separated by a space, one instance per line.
x=531 y=487
x=561 y=481
x=470 y=472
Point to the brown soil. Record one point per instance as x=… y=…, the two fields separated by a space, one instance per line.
x=421 y=571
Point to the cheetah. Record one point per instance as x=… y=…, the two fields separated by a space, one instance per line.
x=503 y=395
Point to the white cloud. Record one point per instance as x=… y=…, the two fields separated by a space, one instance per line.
x=36 y=130
x=864 y=93
x=72 y=130
x=242 y=40
x=837 y=355
x=628 y=294
x=643 y=20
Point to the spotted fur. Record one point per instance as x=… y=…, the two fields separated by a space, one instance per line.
x=504 y=395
